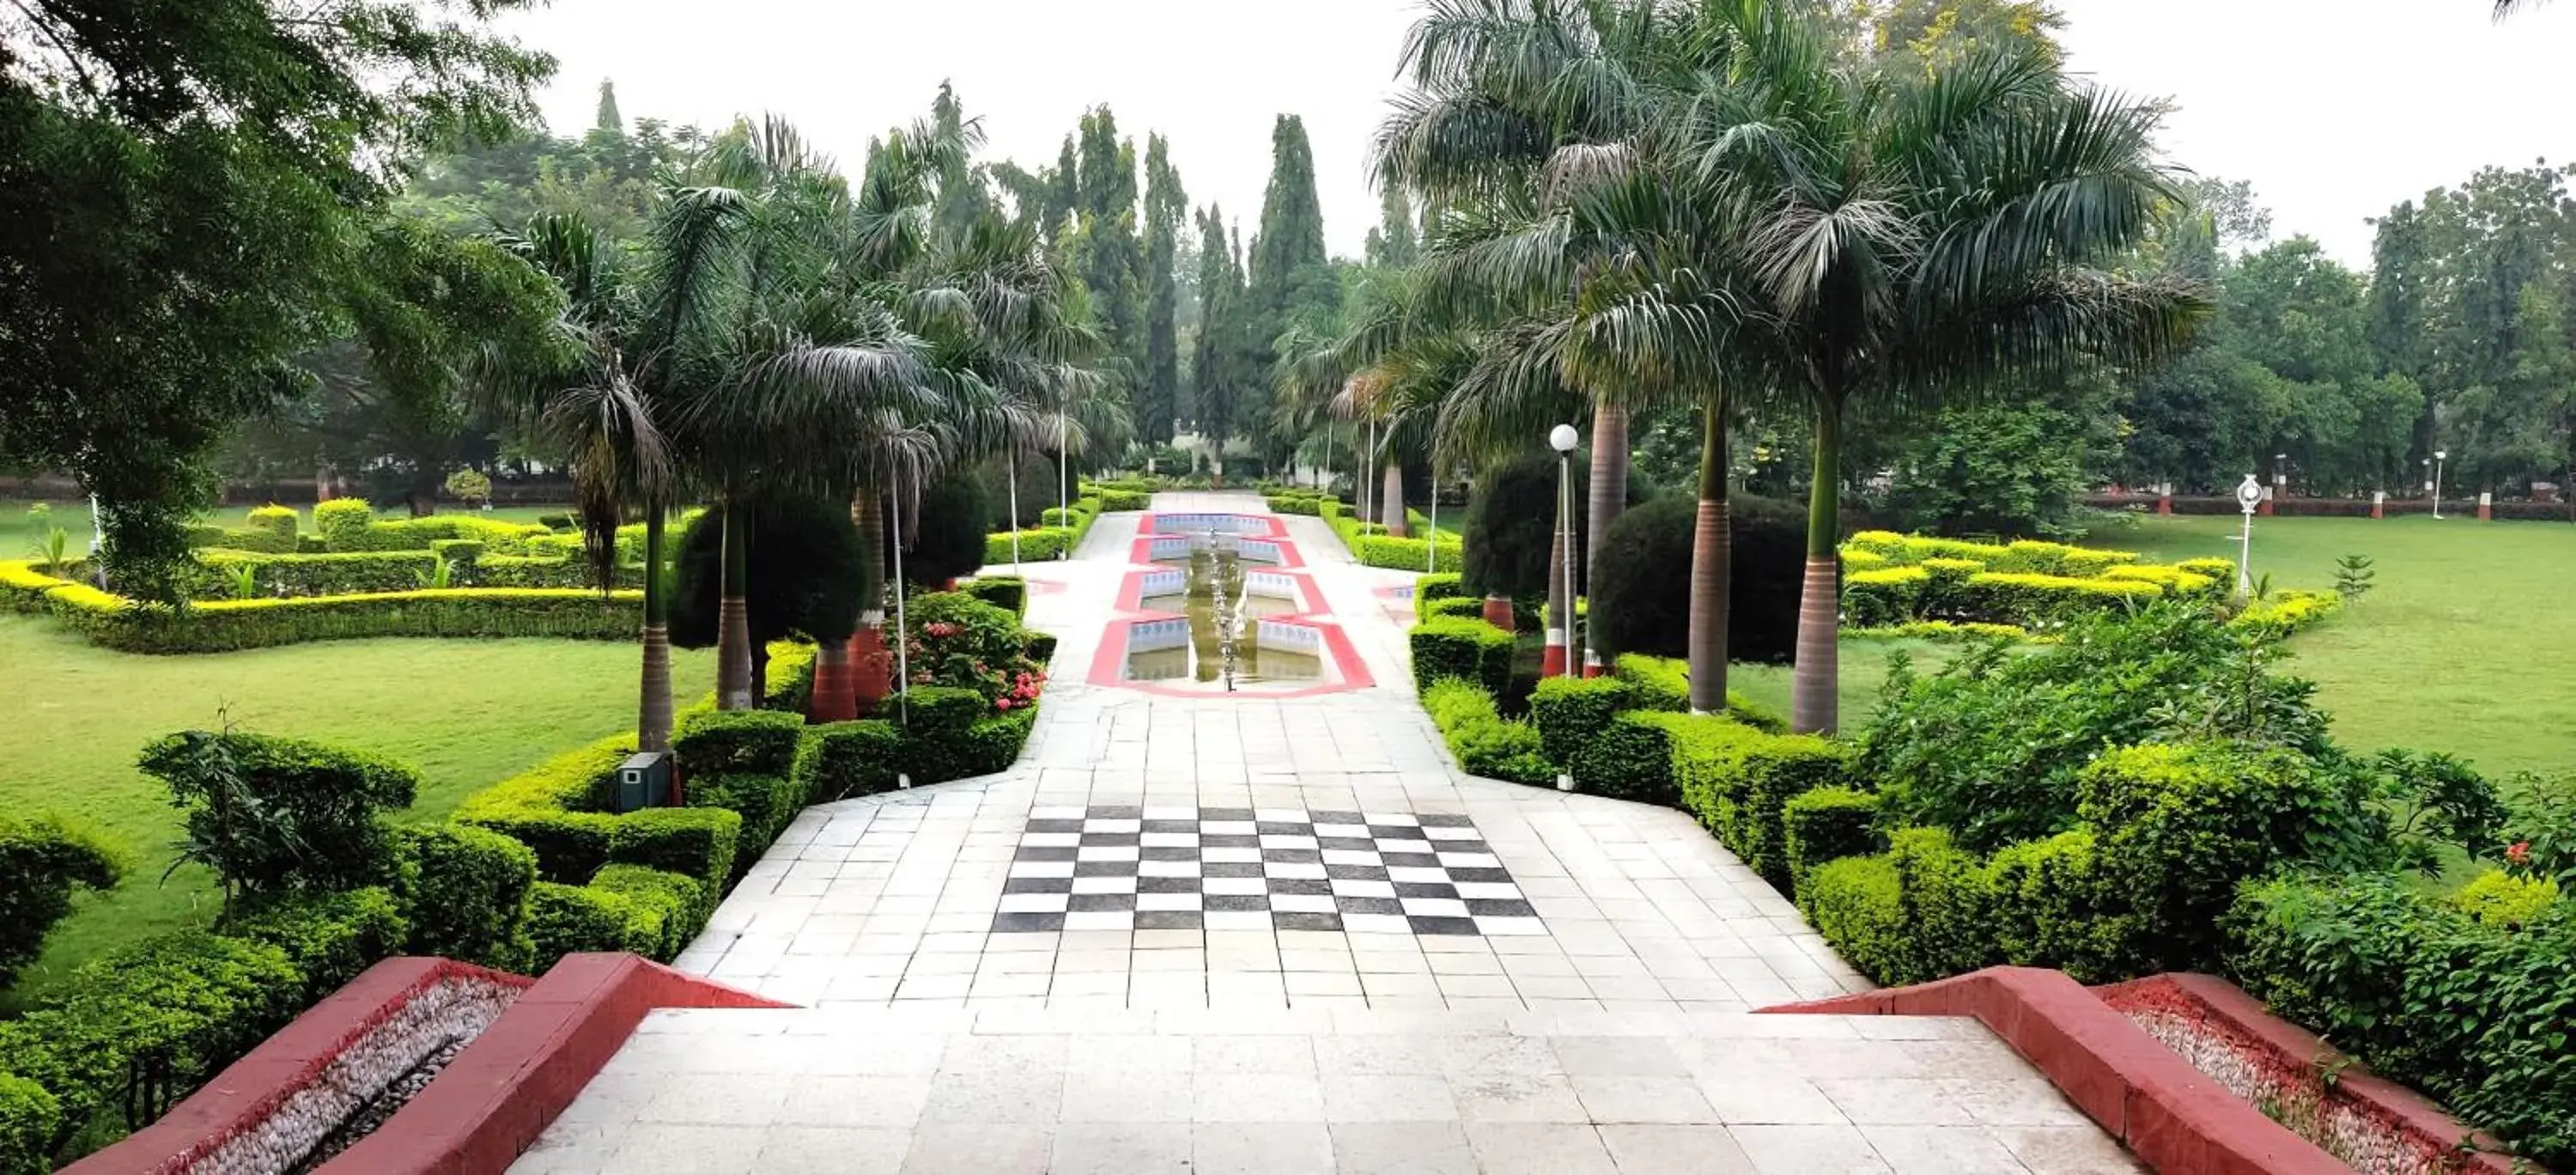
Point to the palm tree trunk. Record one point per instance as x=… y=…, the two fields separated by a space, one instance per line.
x=733 y=611
x=1712 y=566
x=1814 y=684
x=870 y=676
x=653 y=712
x=1609 y=494
x=1390 y=499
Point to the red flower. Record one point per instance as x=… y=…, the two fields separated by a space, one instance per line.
x=2519 y=852
x=1001 y=703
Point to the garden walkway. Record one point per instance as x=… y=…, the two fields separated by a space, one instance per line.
x=1219 y=934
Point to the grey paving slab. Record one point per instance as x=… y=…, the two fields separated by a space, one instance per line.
x=1246 y=934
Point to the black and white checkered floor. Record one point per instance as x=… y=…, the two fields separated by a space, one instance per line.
x=1146 y=868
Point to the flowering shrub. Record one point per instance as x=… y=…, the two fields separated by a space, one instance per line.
x=960 y=641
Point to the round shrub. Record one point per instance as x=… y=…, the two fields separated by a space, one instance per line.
x=1511 y=524
x=1641 y=597
x=41 y=860
x=946 y=538
x=807 y=563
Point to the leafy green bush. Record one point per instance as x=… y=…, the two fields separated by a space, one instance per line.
x=947 y=538
x=1512 y=525
x=1632 y=758
x=1739 y=780
x=1571 y=711
x=1828 y=824
x=1007 y=592
x=1469 y=650
x=1663 y=683
x=1946 y=902
x=328 y=937
x=29 y=1119
x=42 y=858
x=1641 y=596
x=1990 y=745
x=1484 y=742
x=696 y=843
x=753 y=742
x=344 y=522
x=464 y=892
x=1117 y=501
x=187 y=1004
x=2502 y=901
x=1442 y=585
x=268 y=813
x=841 y=760
x=275 y=521
x=575 y=919
x=1040 y=544
x=665 y=909
x=1857 y=906
x=2473 y=1015
x=357 y=573
x=2052 y=909
x=1461 y=607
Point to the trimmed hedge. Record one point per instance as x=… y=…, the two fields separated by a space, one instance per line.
x=1829 y=824
x=1571 y=711
x=1443 y=585
x=1893 y=581
x=1632 y=759
x=1001 y=591
x=842 y=760
x=1469 y=650
x=1456 y=606
x=224 y=625
x=465 y=892
x=211 y=578
x=1739 y=781
x=1663 y=683
x=42 y=858
x=329 y=937
x=1483 y=741
x=1371 y=549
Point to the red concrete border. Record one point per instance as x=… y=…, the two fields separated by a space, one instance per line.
x=2298 y=1055
x=501 y=1091
x=2167 y=1113
x=1140 y=552
x=249 y=1090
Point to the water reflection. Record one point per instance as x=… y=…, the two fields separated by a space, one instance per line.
x=1217 y=593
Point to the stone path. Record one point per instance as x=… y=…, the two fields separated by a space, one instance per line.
x=1238 y=934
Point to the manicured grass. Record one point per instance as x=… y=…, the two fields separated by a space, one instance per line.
x=466 y=713
x=2465 y=646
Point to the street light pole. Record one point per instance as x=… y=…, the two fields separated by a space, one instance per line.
x=1558 y=659
x=2248 y=496
x=1064 y=477
x=1012 y=459
x=2439 y=456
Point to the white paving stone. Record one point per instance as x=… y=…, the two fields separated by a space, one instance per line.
x=1105 y=1037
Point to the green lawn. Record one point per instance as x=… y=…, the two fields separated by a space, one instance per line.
x=2464 y=647
x=466 y=713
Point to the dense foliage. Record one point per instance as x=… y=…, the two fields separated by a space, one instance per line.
x=1640 y=594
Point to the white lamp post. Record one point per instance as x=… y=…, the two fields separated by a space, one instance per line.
x=1012 y=461
x=1431 y=541
x=1064 y=476
x=2248 y=495
x=2439 y=456
x=1560 y=641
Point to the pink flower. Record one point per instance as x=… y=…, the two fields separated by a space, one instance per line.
x=2519 y=852
x=1001 y=703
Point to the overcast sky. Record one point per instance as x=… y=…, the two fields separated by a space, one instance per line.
x=2335 y=109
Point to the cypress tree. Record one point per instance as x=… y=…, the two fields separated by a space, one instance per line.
x=963 y=199
x=1108 y=254
x=608 y=119
x=1290 y=279
x=1393 y=243
x=1216 y=359
x=1158 y=399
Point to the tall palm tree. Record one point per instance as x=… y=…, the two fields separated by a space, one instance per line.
x=1916 y=233
x=1578 y=213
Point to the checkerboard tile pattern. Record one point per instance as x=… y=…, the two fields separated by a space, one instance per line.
x=1119 y=867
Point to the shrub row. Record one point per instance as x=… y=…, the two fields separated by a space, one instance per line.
x=1892 y=580
x=1469 y=650
x=2165 y=834
x=220 y=625
x=1485 y=743
x=1371 y=546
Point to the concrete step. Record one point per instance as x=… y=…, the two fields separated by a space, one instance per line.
x=1361 y=1090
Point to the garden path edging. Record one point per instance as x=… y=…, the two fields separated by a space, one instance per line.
x=2170 y=1115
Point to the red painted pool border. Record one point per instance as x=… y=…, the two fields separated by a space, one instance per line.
x=254 y=1087
x=501 y=1091
x=1278 y=526
x=1141 y=551
x=1108 y=665
x=2167 y=1113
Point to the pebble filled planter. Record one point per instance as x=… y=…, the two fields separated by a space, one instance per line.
x=2368 y=1123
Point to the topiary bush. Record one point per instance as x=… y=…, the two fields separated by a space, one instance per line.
x=1739 y=780
x=1512 y=524
x=1008 y=592
x=1828 y=824
x=343 y=523
x=1571 y=711
x=946 y=538
x=744 y=742
x=1631 y=759
x=807 y=565
x=1484 y=742
x=464 y=892
x=842 y=760
x=43 y=859
x=268 y=813
x=1641 y=600
x=1469 y=650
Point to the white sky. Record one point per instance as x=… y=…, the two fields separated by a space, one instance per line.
x=2335 y=109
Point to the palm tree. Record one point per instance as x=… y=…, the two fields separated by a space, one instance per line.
x=1916 y=232
x=1554 y=134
